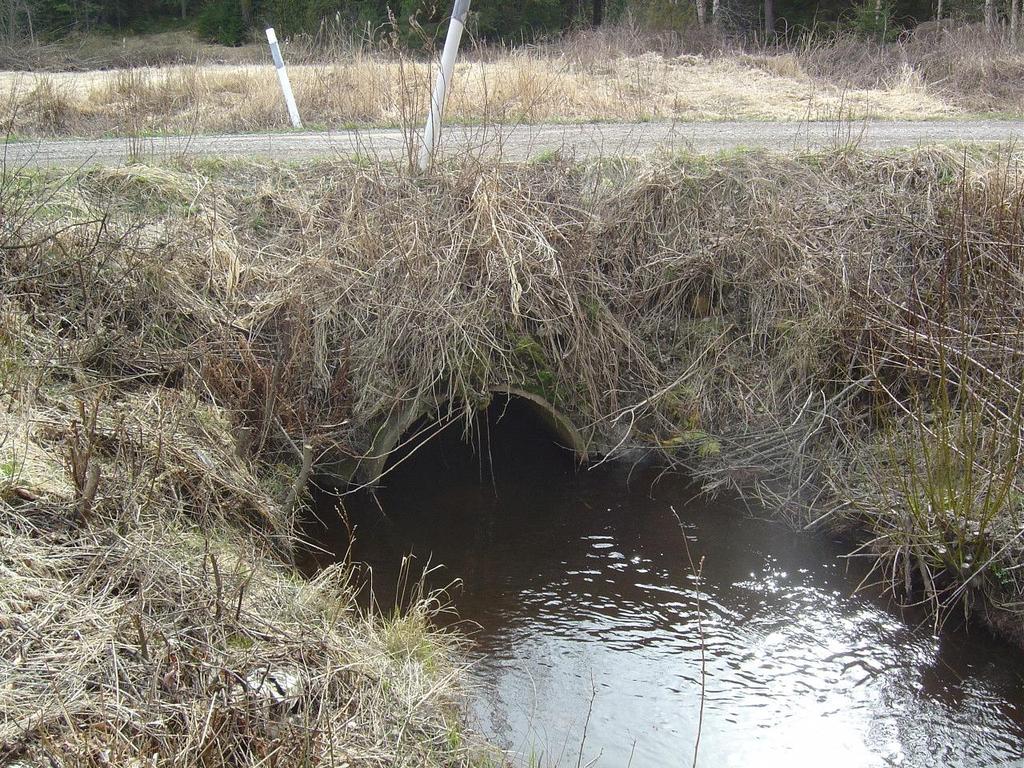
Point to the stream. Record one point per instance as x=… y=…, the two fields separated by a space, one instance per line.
x=615 y=615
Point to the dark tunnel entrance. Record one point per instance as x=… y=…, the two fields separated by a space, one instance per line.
x=504 y=449
x=446 y=491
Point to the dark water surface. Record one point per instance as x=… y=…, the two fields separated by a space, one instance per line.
x=591 y=620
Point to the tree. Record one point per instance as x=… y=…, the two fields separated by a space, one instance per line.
x=12 y=21
x=508 y=20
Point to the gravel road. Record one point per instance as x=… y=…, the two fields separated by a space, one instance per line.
x=520 y=142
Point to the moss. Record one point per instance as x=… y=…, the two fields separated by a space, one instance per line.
x=546 y=156
x=539 y=378
x=239 y=642
x=705 y=446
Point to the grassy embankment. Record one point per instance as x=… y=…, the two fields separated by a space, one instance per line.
x=614 y=75
x=149 y=610
x=838 y=333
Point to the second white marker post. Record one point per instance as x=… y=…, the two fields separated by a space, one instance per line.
x=282 y=76
x=432 y=133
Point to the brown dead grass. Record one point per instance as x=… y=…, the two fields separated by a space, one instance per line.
x=155 y=642
x=385 y=91
x=171 y=83
x=150 y=613
x=966 y=67
x=82 y=52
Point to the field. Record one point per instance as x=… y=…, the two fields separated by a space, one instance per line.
x=605 y=76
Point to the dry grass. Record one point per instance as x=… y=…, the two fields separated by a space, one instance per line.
x=617 y=74
x=153 y=643
x=148 y=611
x=94 y=51
x=967 y=67
x=775 y=323
x=376 y=90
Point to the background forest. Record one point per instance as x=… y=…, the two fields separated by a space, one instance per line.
x=232 y=22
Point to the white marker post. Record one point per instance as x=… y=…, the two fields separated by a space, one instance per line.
x=432 y=133
x=282 y=76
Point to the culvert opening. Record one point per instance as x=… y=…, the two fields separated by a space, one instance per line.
x=505 y=447
x=448 y=474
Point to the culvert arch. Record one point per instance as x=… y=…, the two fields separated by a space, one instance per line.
x=387 y=437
